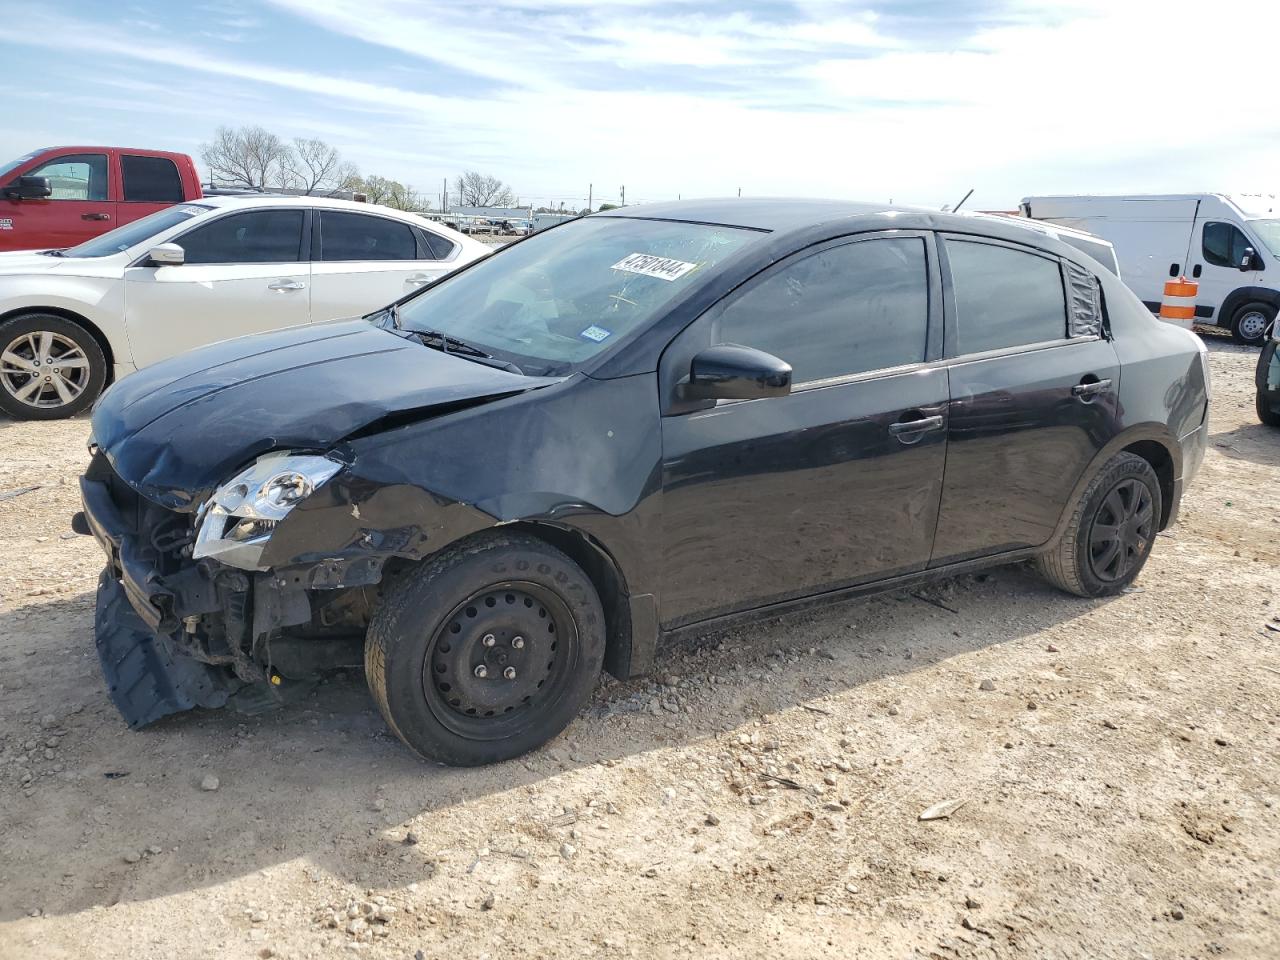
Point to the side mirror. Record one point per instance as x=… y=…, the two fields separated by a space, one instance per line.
x=166 y=255
x=1247 y=260
x=29 y=188
x=728 y=371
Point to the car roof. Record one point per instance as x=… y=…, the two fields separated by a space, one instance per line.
x=763 y=213
x=241 y=201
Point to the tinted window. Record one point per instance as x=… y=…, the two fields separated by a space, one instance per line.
x=435 y=247
x=355 y=236
x=1004 y=297
x=81 y=176
x=857 y=307
x=1224 y=245
x=260 y=236
x=153 y=179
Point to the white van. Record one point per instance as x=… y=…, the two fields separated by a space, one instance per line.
x=1230 y=245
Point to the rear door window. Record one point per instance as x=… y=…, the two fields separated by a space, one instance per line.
x=150 y=179
x=845 y=310
x=1004 y=297
x=77 y=176
x=256 y=236
x=358 y=236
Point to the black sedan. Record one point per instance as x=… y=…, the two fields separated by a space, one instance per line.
x=639 y=423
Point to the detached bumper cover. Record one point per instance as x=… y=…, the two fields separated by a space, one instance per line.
x=135 y=622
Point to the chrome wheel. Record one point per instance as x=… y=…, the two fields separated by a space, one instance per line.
x=1122 y=530
x=44 y=369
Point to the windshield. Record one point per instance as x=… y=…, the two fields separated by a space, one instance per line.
x=131 y=234
x=1268 y=232
x=557 y=299
x=15 y=164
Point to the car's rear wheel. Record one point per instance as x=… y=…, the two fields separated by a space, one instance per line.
x=50 y=367
x=1111 y=531
x=486 y=650
x=1249 y=324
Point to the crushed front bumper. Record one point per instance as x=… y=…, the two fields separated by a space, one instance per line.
x=138 y=620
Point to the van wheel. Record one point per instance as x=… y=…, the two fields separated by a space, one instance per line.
x=1250 y=322
x=1111 y=531
x=50 y=367
x=485 y=651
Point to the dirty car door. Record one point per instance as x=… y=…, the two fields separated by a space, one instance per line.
x=838 y=483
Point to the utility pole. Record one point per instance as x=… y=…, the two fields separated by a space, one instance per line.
x=444 y=194
x=590 y=195
x=739 y=193
x=623 y=188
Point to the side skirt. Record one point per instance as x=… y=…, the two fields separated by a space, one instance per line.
x=846 y=593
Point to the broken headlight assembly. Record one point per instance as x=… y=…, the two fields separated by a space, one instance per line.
x=236 y=522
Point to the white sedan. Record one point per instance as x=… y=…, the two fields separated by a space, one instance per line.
x=74 y=320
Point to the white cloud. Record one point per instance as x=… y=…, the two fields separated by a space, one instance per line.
x=1101 y=96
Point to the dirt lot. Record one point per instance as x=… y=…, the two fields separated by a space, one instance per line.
x=1121 y=775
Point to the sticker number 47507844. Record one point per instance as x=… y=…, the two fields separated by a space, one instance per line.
x=664 y=268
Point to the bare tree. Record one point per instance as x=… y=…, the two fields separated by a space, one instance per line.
x=246 y=156
x=314 y=167
x=477 y=189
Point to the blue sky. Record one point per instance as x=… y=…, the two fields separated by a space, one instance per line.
x=914 y=101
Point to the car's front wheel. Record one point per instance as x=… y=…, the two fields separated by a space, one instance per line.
x=50 y=367
x=1111 y=531
x=485 y=651
x=1249 y=324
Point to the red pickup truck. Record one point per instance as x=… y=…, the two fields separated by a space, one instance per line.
x=62 y=196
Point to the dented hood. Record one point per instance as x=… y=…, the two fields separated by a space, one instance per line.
x=176 y=430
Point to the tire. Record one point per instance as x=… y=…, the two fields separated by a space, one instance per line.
x=1250 y=322
x=76 y=376
x=1082 y=562
x=1265 y=413
x=501 y=603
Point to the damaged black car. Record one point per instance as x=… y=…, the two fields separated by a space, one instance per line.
x=636 y=425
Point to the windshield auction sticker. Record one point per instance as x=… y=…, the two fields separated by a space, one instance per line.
x=664 y=268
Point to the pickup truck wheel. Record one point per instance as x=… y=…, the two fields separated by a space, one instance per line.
x=1249 y=324
x=1111 y=531
x=50 y=367
x=485 y=651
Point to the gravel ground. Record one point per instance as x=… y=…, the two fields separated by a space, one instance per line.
x=1117 y=763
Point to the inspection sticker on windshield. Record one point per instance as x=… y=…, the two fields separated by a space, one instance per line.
x=598 y=334
x=664 y=268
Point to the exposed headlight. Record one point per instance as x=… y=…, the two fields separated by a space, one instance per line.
x=237 y=521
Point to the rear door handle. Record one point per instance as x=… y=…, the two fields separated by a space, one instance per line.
x=909 y=431
x=287 y=285
x=1089 y=390
x=95 y=216
x=418 y=279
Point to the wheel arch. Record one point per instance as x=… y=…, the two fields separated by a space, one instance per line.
x=79 y=320
x=1242 y=295
x=630 y=637
x=1155 y=444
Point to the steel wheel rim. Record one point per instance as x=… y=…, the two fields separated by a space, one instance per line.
x=483 y=630
x=1122 y=529
x=44 y=369
x=1253 y=324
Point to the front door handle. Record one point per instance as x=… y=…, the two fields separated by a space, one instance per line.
x=909 y=431
x=287 y=285
x=95 y=216
x=1087 y=390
